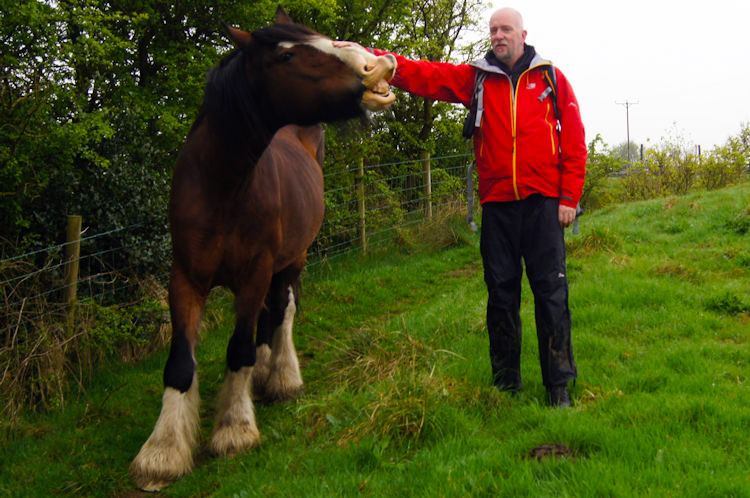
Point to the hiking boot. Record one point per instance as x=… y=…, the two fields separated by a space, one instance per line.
x=511 y=388
x=559 y=396
x=510 y=383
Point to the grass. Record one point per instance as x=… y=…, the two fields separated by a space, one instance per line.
x=398 y=398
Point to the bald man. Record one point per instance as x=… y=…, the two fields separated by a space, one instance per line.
x=530 y=181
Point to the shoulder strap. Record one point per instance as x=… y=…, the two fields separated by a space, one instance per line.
x=476 y=108
x=478 y=97
x=550 y=77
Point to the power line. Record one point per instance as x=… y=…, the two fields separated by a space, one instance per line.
x=627 y=105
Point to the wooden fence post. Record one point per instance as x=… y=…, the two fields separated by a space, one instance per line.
x=361 y=202
x=72 y=257
x=427 y=175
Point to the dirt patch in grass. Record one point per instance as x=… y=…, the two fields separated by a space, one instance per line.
x=464 y=272
x=670 y=203
x=554 y=450
x=679 y=271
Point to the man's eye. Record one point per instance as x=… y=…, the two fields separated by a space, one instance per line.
x=287 y=56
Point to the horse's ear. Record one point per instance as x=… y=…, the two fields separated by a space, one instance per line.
x=282 y=17
x=240 y=38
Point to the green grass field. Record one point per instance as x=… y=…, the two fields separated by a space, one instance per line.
x=398 y=396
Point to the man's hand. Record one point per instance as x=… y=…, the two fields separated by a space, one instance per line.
x=566 y=215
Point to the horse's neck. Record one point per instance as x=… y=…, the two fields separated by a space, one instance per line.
x=243 y=147
x=223 y=166
x=232 y=112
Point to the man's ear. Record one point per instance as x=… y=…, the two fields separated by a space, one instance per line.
x=240 y=38
x=282 y=17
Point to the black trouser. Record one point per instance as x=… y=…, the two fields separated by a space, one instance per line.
x=527 y=229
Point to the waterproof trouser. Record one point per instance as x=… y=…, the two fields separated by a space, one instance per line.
x=511 y=231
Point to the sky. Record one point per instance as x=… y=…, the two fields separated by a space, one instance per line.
x=687 y=66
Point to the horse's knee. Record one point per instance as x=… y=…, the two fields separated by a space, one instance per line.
x=180 y=367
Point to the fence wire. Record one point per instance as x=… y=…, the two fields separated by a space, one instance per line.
x=32 y=285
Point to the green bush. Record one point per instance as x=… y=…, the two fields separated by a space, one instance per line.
x=116 y=329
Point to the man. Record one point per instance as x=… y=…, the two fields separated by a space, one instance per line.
x=530 y=180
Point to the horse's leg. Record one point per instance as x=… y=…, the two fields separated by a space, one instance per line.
x=263 y=337
x=168 y=452
x=284 y=380
x=235 y=428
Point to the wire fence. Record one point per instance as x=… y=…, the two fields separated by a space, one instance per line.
x=364 y=209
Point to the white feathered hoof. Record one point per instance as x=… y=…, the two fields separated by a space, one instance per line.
x=167 y=455
x=229 y=440
x=284 y=383
x=235 y=430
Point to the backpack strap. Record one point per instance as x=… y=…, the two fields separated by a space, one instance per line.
x=472 y=121
x=479 y=96
x=474 y=118
x=551 y=77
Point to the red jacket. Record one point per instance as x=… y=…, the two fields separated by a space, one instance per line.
x=516 y=146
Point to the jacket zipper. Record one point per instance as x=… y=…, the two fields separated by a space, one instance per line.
x=514 y=99
x=551 y=131
x=514 y=113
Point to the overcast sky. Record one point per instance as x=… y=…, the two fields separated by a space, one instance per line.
x=688 y=67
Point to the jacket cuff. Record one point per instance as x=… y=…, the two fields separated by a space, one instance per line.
x=568 y=201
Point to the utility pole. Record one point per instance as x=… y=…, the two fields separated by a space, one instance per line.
x=627 y=105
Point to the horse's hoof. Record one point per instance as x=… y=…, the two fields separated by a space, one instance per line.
x=279 y=389
x=155 y=468
x=151 y=486
x=229 y=440
x=167 y=454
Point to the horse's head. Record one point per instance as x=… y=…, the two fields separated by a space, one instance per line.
x=300 y=77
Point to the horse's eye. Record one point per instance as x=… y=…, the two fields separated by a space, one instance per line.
x=287 y=56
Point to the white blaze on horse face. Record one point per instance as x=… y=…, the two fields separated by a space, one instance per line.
x=375 y=71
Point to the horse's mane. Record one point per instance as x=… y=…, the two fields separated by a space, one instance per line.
x=277 y=33
x=229 y=102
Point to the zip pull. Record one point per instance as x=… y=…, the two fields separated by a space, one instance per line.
x=545 y=93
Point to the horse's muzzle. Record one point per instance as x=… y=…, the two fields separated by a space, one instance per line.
x=377 y=73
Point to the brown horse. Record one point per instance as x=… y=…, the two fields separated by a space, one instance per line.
x=242 y=215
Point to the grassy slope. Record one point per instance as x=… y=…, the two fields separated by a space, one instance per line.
x=398 y=401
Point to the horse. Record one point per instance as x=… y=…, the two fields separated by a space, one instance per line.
x=245 y=205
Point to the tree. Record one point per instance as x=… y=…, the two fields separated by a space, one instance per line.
x=430 y=30
x=99 y=94
x=621 y=151
x=601 y=164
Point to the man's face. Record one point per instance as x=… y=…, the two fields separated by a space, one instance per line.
x=507 y=37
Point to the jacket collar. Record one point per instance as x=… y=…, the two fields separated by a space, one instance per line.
x=484 y=65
